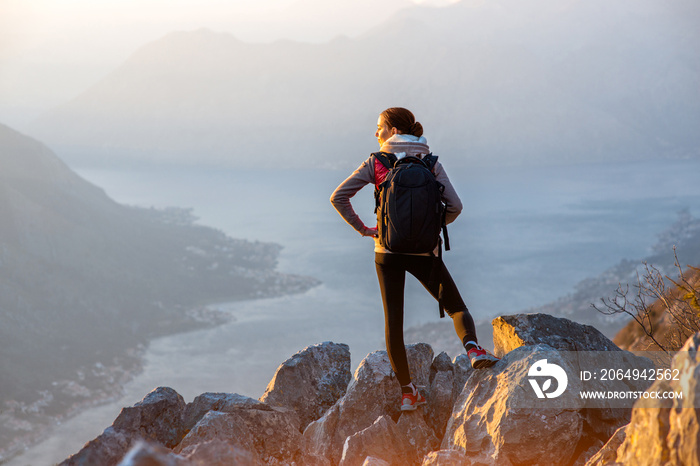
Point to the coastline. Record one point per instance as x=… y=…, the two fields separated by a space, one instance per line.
x=35 y=423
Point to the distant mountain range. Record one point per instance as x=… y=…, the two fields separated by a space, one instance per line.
x=494 y=82
x=84 y=281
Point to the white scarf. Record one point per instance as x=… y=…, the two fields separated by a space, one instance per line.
x=406 y=144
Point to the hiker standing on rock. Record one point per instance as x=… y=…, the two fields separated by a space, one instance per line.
x=415 y=199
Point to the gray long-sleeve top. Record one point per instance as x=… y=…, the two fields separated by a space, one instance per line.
x=364 y=175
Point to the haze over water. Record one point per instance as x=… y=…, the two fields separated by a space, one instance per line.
x=608 y=87
x=525 y=238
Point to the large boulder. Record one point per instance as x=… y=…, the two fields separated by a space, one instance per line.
x=372 y=393
x=267 y=435
x=222 y=402
x=420 y=439
x=530 y=408
x=403 y=443
x=497 y=420
x=148 y=454
x=380 y=440
x=441 y=393
x=462 y=371
x=587 y=350
x=666 y=431
x=227 y=427
x=510 y=332
x=158 y=419
x=311 y=381
x=445 y=458
x=219 y=453
x=106 y=449
x=607 y=455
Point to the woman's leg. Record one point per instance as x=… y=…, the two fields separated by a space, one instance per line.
x=421 y=267
x=391 y=273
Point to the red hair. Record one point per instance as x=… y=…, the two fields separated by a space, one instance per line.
x=403 y=120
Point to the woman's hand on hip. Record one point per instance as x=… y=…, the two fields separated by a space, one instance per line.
x=371 y=232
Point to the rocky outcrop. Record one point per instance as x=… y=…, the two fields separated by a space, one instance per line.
x=222 y=402
x=217 y=426
x=311 y=381
x=445 y=458
x=510 y=332
x=607 y=455
x=158 y=418
x=149 y=454
x=380 y=440
x=499 y=419
x=372 y=393
x=666 y=431
x=266 y=435
x=494 y=416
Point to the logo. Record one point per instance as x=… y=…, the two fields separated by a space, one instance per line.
x=543 y=369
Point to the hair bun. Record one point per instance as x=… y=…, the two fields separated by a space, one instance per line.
x=417 y=129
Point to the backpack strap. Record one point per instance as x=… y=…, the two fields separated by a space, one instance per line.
x=386 y=161
x=430 y=160
x=385 y=158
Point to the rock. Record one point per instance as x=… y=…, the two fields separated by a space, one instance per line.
x=148 y=454
x=381 y=440
x=496 y=419
x=420 y=437
x=372 y=393
x=220 y=453
x=308 y=459
x=275 y=433
x=222 y=428
x=321 y=436
x=586 y=349
x=222 y=402
x=607 y=456
x=158 y=417
x=510 y=332
x=445 y=458
x=372 y=461
x=666 y=431
x=266 y=434
x=441 y=394
x=462 y=371
x=588 y=453
x=106 y=450
x=311 y=381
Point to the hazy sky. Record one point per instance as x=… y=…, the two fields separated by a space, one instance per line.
x=52 y=50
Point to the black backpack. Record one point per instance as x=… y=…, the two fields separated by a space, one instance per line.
x=409 y=208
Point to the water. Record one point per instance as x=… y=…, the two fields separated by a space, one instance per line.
x=526 y=237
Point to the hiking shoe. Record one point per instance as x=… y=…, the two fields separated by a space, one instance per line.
x=410 y=401
x=480 y=358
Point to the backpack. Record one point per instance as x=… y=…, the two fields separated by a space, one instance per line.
x=408 y=204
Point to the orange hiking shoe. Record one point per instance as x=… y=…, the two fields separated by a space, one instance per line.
x=480 y=358
x=410 y=401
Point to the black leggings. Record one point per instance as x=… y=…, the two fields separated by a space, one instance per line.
x=391 y=271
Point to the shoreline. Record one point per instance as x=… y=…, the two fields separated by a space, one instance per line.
x=108 y=384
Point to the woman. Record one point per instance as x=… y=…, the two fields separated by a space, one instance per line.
x=399 y=133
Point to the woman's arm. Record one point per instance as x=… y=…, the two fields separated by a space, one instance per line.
x=340 y=198
x=453 y=203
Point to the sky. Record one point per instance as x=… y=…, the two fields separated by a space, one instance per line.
x=50 y=50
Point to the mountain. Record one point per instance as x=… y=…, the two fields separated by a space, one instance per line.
x=85 y=281
x=497 y=82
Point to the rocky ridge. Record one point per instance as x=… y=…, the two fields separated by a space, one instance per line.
x=315 y=412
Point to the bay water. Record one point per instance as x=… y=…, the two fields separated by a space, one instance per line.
x=525 y=238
